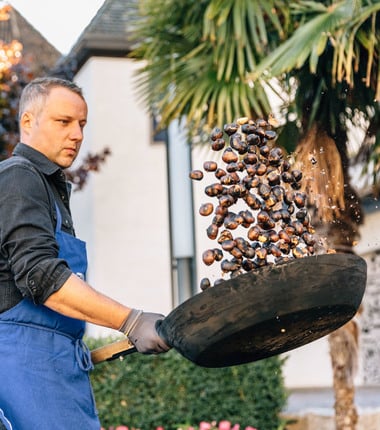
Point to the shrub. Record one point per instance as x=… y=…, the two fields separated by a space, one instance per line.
x=147 y=391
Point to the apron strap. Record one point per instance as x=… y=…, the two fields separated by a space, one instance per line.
x=83 y=355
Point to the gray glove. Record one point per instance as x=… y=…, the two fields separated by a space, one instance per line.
x=140 y=328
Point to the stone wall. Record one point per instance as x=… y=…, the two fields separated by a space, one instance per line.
x=370 y=324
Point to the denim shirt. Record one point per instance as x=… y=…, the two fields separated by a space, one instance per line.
x=29 y=263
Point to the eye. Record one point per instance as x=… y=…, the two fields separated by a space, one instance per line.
x=63 y=121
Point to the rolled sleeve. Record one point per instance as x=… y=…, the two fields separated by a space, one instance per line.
x=29 y=250
x=45 y=278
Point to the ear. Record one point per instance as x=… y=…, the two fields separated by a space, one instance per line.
x=26 y=122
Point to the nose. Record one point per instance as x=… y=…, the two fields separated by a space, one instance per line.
x=76 y=132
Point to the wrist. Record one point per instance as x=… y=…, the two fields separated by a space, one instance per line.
x=130 y=322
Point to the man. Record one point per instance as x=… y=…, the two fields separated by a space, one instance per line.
x=44 y=299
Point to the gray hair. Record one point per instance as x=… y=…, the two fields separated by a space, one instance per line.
x=34 y=95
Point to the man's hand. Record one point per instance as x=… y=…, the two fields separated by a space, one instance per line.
x=140 y=328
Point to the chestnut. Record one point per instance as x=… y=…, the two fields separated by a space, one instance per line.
x=197 y=175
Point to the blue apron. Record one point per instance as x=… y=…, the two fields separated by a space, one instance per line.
x=44 y=363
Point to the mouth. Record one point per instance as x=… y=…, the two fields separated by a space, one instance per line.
x=71 y=151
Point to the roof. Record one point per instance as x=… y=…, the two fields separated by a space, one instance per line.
x=42 y=54
x=108 y=33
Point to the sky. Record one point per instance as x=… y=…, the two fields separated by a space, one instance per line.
x=60 y=22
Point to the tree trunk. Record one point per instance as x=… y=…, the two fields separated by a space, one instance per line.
x=343 y=234
x=343 y=351
x=343 y=346
x=336 y=213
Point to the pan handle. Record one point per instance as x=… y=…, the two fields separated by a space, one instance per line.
x=112 y=351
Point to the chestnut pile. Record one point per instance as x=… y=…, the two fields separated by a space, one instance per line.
x=274 y=224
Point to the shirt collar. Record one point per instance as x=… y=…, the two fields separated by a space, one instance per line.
x=46 y=166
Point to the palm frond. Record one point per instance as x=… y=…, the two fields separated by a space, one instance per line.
x=197 y=60
x=343 y=26
x=293 y=52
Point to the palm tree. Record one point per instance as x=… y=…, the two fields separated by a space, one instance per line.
x=334 y=58
x=213 y=60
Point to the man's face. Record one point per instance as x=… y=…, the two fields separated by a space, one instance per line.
x=57 y=131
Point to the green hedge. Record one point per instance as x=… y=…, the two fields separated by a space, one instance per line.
x=146 y=391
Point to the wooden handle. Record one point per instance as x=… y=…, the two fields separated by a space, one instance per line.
x=112 y=351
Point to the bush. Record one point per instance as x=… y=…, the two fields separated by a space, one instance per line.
x=147 y=391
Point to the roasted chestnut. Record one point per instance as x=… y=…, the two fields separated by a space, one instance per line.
x=212 y=231
x=204 y=284
x=229 y=156
x=230 y=129
x=206 y=209
x=210 y=166
x=208 y=257
x=255 y=174
x=216 y=133
x=218 y=145
x=197 y=175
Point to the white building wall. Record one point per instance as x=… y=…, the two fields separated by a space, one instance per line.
x=369 y=234
x=122 y=213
